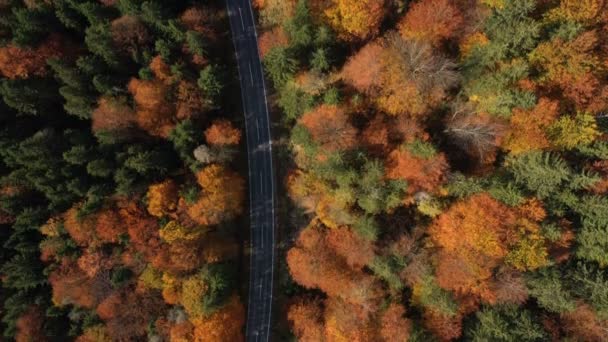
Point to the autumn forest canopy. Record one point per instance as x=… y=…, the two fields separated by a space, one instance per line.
x=448 y=170
x=441 y=168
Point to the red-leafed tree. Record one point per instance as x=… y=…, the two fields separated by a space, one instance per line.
x=109 y=225
x=71 y=285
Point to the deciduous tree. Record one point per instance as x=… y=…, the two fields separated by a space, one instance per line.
x=431 y=20
x=528 y=127
x=22 y=62
x=222 y=197
x=314 y=264
x=222 y=132
x=129 y=34
x=394 y=325
x=422 y=174
x=472 y=235
x=113 y=114
x=329 y=127
x=162 y=198
x=30 y=326
x=355 y=20
x=154 y=112
x=226 y=324
x=306 y=318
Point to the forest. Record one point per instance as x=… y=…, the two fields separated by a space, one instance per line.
x=442 y=169
x=447 y=161
x=121 y=191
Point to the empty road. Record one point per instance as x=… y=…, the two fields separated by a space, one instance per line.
x=261 y=172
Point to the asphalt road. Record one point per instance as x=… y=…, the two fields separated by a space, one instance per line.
x=261 y=171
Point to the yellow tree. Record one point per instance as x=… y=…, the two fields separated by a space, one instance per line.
x=222 y=195
x=569 y=132
x=162 y=198
x=585 y=11
x=563 y=62
x=174 y=232
x=355 y=19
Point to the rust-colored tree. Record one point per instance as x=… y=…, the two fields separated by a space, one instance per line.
x=80 y=229
x=142 y=229
x=112 y=114
x=155 y=114
x=30 y=326
x=306 y=318
x=71 y=285
x=129 y=33
x=528 y=127
x=443 y=326
x=363 y=70
x=190 y=101
x=472 y=235
x=128 y=312
x=356 y=251
x=199 y=19
x=276 y=37
x=222 y=132
x=583 y=324
x=178 y=257
x=226 y=324
x=377 y=135
x=109 y=226
x=161 y=70
x=393 y=324
x=345 y=321
x=329 y=127
x=403 y=76
x=18 y=62
x=432 y=20
x=314 y=264
x=422 y=174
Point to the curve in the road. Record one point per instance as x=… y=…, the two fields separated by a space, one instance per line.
x=261 y=171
